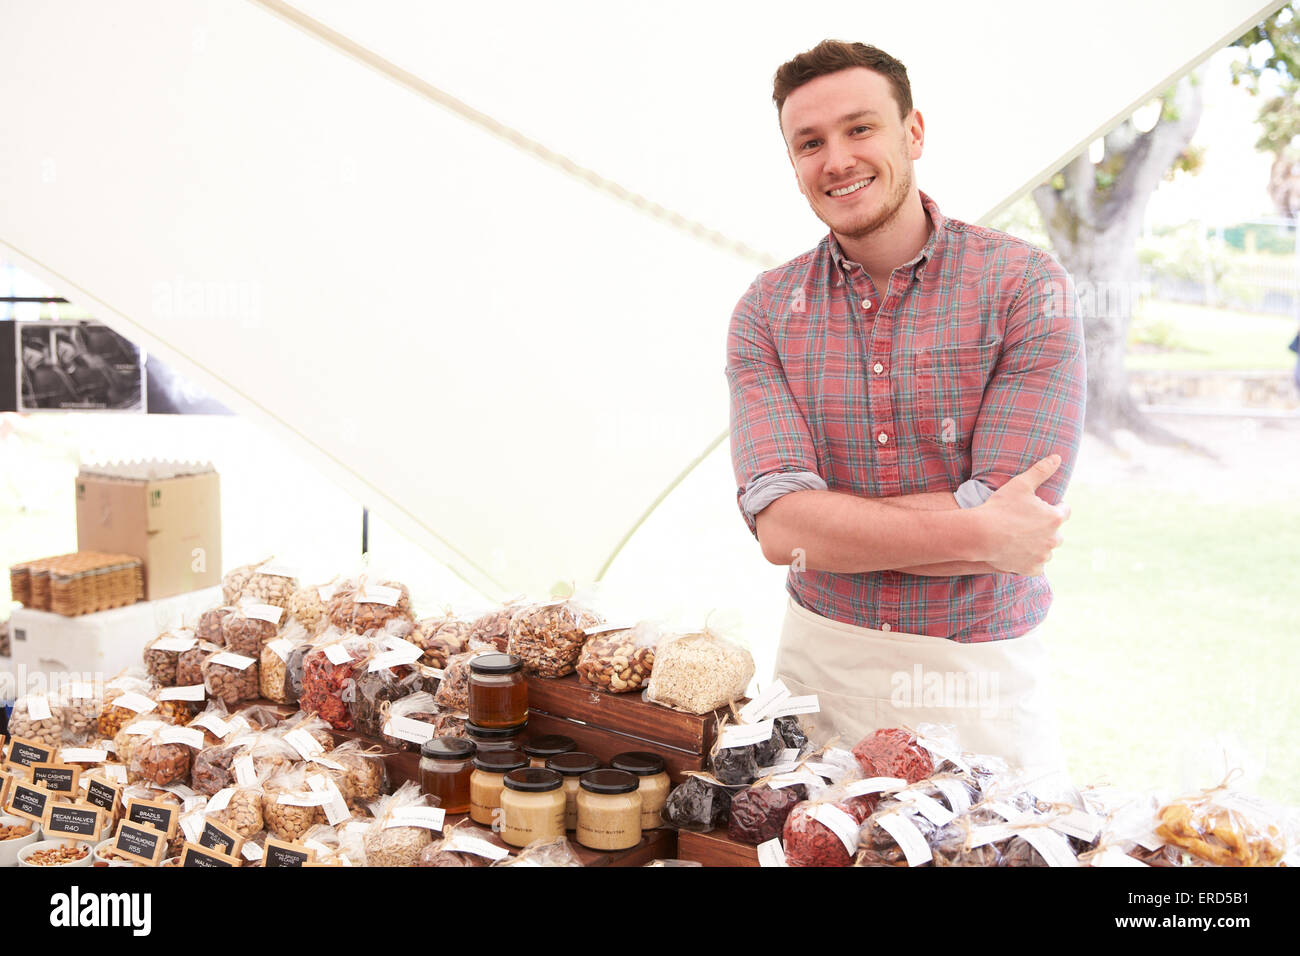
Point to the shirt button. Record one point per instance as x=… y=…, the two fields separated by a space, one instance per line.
x=877 y=368
x=882 y=438
x=885 y=626
x=866 y=305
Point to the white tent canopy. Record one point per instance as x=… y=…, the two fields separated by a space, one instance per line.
x=509 y=363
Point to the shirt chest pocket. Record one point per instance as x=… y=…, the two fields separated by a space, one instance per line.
x=949 y=390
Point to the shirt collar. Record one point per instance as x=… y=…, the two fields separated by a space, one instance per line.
x=931 y=246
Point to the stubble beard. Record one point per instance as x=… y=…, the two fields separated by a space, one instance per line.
x=890 y=211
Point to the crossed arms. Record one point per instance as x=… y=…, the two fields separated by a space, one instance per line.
x=1023 y=447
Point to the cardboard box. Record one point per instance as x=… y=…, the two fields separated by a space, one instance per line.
x=168 y=514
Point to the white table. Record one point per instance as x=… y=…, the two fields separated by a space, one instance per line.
x=49 y=649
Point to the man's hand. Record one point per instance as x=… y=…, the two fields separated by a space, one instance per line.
x=1021 y=528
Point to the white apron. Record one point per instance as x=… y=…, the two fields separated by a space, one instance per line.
x=995 y=694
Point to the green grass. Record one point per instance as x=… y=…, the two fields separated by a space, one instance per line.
x=1176 y=622
x=1205 y=338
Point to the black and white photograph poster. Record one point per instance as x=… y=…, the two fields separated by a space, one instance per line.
x=77 y=365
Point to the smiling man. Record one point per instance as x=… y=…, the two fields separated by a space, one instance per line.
x=906 y=405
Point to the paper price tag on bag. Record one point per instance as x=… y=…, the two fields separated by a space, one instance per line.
x=414 y=731
x=303 y=742
x=930 y=808
x=228 y=659
x=38 y=707
x=860 y=788
x=177 y=645
x=463 y=843
x=808 y=704
x=956 y=792
x=771 y=853
x=213 y=723
x=190 y=692
x=220 y=800
x=907 y=836
x=430 y=818
x=133 y=701
x=1051 y=846
x=245 y=773
x=757 y=709
x=377 y=594
x=281 y=647
x=263 y=612
x=839 y=823
x=745 y=735
x=338 y=655
x=182 y=735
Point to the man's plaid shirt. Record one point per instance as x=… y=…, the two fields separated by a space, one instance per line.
x=966 y=370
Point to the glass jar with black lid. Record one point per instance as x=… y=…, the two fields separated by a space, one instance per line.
x=571 y=766
x=652 y=773
x=498 y=694
x=446 y=765
x=496 y=738
x=609 y=810
x=532 y=806
x=541 y=749
x=488 y=780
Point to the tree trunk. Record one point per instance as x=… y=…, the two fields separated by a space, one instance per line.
x=1093 y=221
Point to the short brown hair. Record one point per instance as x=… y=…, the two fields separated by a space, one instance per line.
x=831 y=56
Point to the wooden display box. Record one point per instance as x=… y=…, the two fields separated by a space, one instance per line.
x=715 y=848
x=608 y=724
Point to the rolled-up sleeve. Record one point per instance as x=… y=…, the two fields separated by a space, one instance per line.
x=772 y=450
x=1034 y=403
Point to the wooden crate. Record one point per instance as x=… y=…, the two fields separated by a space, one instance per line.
x=608 y=724
x=715 y=848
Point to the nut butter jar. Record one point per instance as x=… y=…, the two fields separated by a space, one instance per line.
x=488 y=780
x=541 y=749
x=532 y=806
x=498 y=695
x=571 y=766
x=609 y=810
x=653 y=775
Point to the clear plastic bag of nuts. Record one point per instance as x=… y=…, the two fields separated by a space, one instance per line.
x=231 y=677
x=209 y=626
x=126 y=698
x=418 y=707
x=494 y=626
x=548 y=638
x=441 y=638
x=453 y=691
x=364 y=777
x=239 y=808
x=261 y=583
x=273 y=667
x=163 y=653
x=368 y=605
x=400 y=831
x=454 y=849
x=158 y=759
x=289 y=806
x=556 y=852
x=245 y=629
x=618 y=660
x=34 y=718
x=189 y=665
x=79 y=704
x=307 y=607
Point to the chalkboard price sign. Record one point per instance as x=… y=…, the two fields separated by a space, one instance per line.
x=195 y=855
x=102 y=794
x=57 y=777
x=139 y=842
x=27 y=752
x=214 y=836
x=73 y=820
x=29 y=801
x=158 y=814
x=279 y=853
